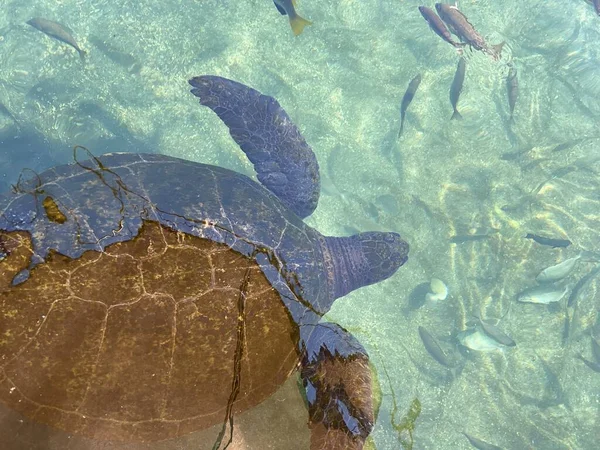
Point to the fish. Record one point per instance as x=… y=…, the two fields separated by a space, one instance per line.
x=478 y=341
x=286 y=7
x=456 y=88
x=557 y=272
x=434 y=349
x=408 y=96
x=581 y=284
x=512 y=88
x=125 y=60
x=596 y=349
x=438 y=26
x=496 y=333
x=57 y=31
x=591 y=364
x=551 y=242
x=460 y=26
x=543 y=294
x=481 y=445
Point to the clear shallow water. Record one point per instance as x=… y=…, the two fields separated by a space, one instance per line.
x=341 y=82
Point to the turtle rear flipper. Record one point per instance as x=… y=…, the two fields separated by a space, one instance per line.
x=337 y=379
x=284 y=162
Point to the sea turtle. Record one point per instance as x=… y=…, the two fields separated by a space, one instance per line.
x=144 y=297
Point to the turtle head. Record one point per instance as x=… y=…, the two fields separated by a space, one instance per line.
x=362 y=259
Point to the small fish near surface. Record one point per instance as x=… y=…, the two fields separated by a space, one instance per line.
x=512 y=88
x=551 y=242
x=438 y=26
x=286 y=7
x=456 y=88
x=460 y=26
x=408 y=97
x=543 y=294
x=57 y=31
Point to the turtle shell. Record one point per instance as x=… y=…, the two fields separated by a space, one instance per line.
x=144 y=297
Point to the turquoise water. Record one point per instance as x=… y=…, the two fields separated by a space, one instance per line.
x=342 y=82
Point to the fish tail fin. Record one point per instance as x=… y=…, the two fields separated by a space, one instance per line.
x=298 y=23
x=401 y=127
x=456 y=115
x=82 y=54
x=511 y=119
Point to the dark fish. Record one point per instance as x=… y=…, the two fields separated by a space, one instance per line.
x=408 y=96
x=460 y=26
x=57 y=31
x=438 y=26
x=481 y=445
x=456 y=88
x=286 y=7
x=496 y=333
x=591 y=364
x=596 y=349
x=477 y=236
x=554 y=243
x=125 y=60
x=512 y=87
x=434 y=349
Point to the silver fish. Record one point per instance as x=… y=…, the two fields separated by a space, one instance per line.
x=460 y=26
x=478 y=341
x=557 y=272
x=438 y=26
x=456 y=88
x=434 y=349
x=496 y=333
x=542 y=294
x=57 y=31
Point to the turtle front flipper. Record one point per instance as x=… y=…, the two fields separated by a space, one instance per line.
x=284 y=162
x=337 y=380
